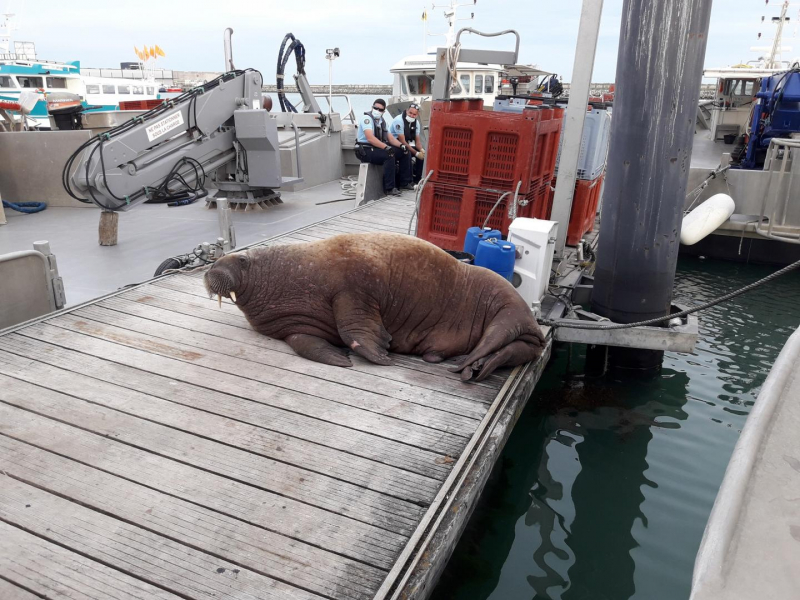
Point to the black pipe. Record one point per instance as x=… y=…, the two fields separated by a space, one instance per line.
x=659 y=68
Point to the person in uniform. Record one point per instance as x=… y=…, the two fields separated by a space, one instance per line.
x=376 y=145
x=405 y=127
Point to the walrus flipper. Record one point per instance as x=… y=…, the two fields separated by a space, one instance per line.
x=318 y=350
x=502 y=345
x=516 y=353
x=361 y=328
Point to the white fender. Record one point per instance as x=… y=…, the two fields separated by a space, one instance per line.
x=706 y=218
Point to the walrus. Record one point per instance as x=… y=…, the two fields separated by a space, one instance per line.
x=373 y=293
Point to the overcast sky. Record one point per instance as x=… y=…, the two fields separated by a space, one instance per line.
x=372 y=34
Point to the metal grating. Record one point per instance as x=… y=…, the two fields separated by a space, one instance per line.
x=483 y=204
x=446 y=210
x=501 y=151
x=456 y=144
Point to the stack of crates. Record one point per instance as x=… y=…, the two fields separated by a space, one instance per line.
x=590 y=173
x=476 y=156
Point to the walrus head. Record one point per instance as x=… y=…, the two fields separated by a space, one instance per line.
x=227 y=276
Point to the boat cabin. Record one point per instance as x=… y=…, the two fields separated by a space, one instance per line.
x=736 y=88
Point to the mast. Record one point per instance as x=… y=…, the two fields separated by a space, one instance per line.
x=776 y=43
x=450 y=13
x=5 y=33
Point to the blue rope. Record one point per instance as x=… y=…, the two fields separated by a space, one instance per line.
x=25 y=207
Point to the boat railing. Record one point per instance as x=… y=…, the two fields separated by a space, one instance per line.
x=776 y=206
x=350 y=115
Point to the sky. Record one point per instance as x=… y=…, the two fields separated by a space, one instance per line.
x=371 y=34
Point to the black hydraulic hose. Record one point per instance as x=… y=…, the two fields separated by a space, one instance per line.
x=170 y=263
x=676 y=315
x=284 y=54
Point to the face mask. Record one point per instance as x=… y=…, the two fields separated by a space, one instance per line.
x=377 y=114
x=410 y=119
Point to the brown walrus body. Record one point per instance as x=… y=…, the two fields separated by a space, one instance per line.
x=375 y=293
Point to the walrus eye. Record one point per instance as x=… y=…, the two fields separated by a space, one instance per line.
x=243 y=261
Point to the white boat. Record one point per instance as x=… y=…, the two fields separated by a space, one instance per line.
x=740 y=150
x=21 y=70
x=412 y=77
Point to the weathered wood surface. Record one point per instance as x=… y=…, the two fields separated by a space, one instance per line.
x=154 y=446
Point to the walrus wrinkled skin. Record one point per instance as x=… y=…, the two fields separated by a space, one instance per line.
x=375 y=293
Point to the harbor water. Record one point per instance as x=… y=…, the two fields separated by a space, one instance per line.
x=605 y=486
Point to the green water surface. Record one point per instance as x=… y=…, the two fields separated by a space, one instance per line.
x=605 y=486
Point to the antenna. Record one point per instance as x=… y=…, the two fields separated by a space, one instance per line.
x=450 y=13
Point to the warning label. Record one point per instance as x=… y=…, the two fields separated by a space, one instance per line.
x=159 y=128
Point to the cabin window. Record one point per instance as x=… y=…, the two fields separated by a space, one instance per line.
x=57 y=83
x=400 y=84
x=7 y=82
x=420 y=85
x=123 y=89
x=108 y=89
x=137 y=89
x=489 y=84
x=478 y=84
x=749 y=88
x=465 y=83
x=30 y=82
x=150 y=91
x=92 y=89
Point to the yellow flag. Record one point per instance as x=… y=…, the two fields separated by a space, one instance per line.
x=159 y=51
x=152 y=52
x=145 y=53
x=139 y=54
x=424 y=15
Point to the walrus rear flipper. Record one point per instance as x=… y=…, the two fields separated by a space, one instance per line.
x=500 y=346
x=361 y=328
x=516 y=353
x=318 y=350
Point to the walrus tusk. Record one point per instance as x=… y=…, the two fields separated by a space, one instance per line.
x=233 y=296
x=219 y=298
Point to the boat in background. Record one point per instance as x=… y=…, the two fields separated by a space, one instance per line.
x=743 y=148
x=412 y=77
x=21 y=71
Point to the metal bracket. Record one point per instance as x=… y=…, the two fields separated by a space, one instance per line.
x=56 y=283
x=675 y=338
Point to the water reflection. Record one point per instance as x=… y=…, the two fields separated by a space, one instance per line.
x=604 y=487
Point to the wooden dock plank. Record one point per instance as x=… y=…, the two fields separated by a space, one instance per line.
x=237 y=382
x=10 y=591
x=421 y=425
x=279 y=515
x=288 y=426
x=218 y=535
x=152 y=558
x=400 y=383
x=51 y=571
x=218 y=339
x=179 y=297
x=57 y=396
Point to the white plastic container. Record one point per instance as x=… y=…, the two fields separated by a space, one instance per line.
x=706 y=218
x=594 y=143
x=535 y=242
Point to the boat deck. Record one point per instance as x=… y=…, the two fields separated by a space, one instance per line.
x=154 y=446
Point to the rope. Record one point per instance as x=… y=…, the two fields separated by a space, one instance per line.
x=682 y=313
x=25 y=207
x=349 y=185
x=452 y=63
x=418 y=198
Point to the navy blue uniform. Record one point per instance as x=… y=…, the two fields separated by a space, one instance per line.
x=400 y=126
x=367 y=153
